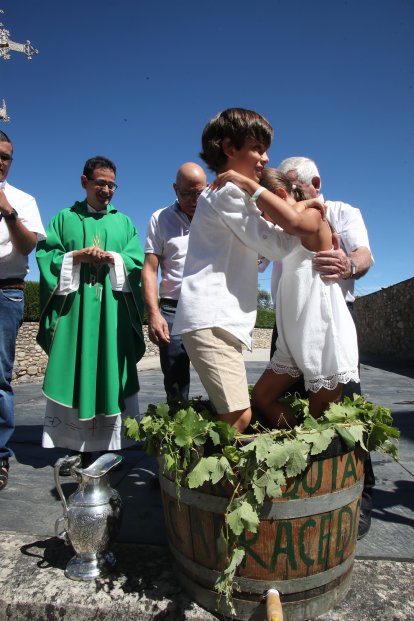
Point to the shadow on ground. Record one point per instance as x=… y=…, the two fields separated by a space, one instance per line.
x=391 y=367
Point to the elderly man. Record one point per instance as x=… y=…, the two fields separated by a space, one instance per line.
x=91 y=312
x=353 y=258
x=346 y=262
x=20 y=228
x=166 y=247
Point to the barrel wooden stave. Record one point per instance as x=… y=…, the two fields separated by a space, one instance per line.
x=309 y=558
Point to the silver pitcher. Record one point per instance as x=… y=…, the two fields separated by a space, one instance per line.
x=91 y=516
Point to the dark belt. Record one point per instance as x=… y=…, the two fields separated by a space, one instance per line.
x=11 y=283
x=168 y=302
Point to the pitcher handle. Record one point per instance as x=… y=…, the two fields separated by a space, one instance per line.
x=72 y=459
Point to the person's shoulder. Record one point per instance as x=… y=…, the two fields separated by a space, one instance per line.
x=233 y=190
x=228 y=191
x=342 y=215
x=76 y=207
x=120 y=215
x=339 y=212
x=67 y=212
x=18 y=194
x=339 y=206
x=166 y=212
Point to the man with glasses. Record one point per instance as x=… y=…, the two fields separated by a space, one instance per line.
x=91 y=319
x=20 y=228
x=166 y=247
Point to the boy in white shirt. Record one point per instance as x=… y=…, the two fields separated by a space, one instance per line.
x=216 y=311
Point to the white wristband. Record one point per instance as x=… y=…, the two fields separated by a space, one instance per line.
x=256 y=195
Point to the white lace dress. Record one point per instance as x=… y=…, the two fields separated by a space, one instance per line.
x=316 y=333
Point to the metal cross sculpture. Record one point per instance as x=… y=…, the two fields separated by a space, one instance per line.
x=7 y=46
x=3 y=113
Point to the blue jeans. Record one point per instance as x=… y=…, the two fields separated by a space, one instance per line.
x=175 y=363
x=11 y=318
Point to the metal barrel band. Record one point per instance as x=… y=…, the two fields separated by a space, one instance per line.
x=273 y=510
x=251 y=585
x=249 y=610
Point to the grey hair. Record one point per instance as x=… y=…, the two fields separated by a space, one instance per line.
x=304 y=168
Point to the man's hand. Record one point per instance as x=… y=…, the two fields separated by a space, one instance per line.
x=93 y=255
x=106 y=257
x=333 y=265
x=5 y=207
x=158 y=332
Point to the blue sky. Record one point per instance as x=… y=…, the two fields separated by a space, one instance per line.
x=137 y=81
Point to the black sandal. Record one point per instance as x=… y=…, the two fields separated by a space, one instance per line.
x=4 y=472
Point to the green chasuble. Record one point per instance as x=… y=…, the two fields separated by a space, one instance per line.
x=93 y=336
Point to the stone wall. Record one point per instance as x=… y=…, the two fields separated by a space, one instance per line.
x=30 y=362
x=385 y=323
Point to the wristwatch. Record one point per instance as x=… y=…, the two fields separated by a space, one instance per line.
x=353 y=268
x=13 y=215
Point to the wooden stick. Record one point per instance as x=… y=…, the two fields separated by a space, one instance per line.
x=274 y=610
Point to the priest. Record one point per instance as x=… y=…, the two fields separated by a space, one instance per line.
x=91 y=318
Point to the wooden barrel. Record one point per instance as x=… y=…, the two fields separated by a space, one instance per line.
x=304 y=546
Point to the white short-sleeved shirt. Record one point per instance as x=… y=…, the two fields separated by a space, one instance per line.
x=167 y=237
x=219 y=287
x=13 y=264
x=349 y=224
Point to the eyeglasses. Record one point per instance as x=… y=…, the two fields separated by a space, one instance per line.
x=5 y=157
x=194 y=194
x=101 y=183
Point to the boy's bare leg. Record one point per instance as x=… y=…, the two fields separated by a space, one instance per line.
x=265 y=397
x=239 y=419
x=320 y=401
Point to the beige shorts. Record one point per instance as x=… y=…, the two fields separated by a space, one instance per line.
x=218 y=359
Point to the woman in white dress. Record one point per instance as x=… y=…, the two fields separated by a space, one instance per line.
x=316 y=333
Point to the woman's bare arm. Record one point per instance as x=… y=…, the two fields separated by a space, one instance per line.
x=296 y=220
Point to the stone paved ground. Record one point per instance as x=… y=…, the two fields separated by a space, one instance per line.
x=32 y=583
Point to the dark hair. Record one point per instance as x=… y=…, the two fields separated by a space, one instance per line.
x=4 y=138
x=237 y=124
x=99 y=161
x=273 y=178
